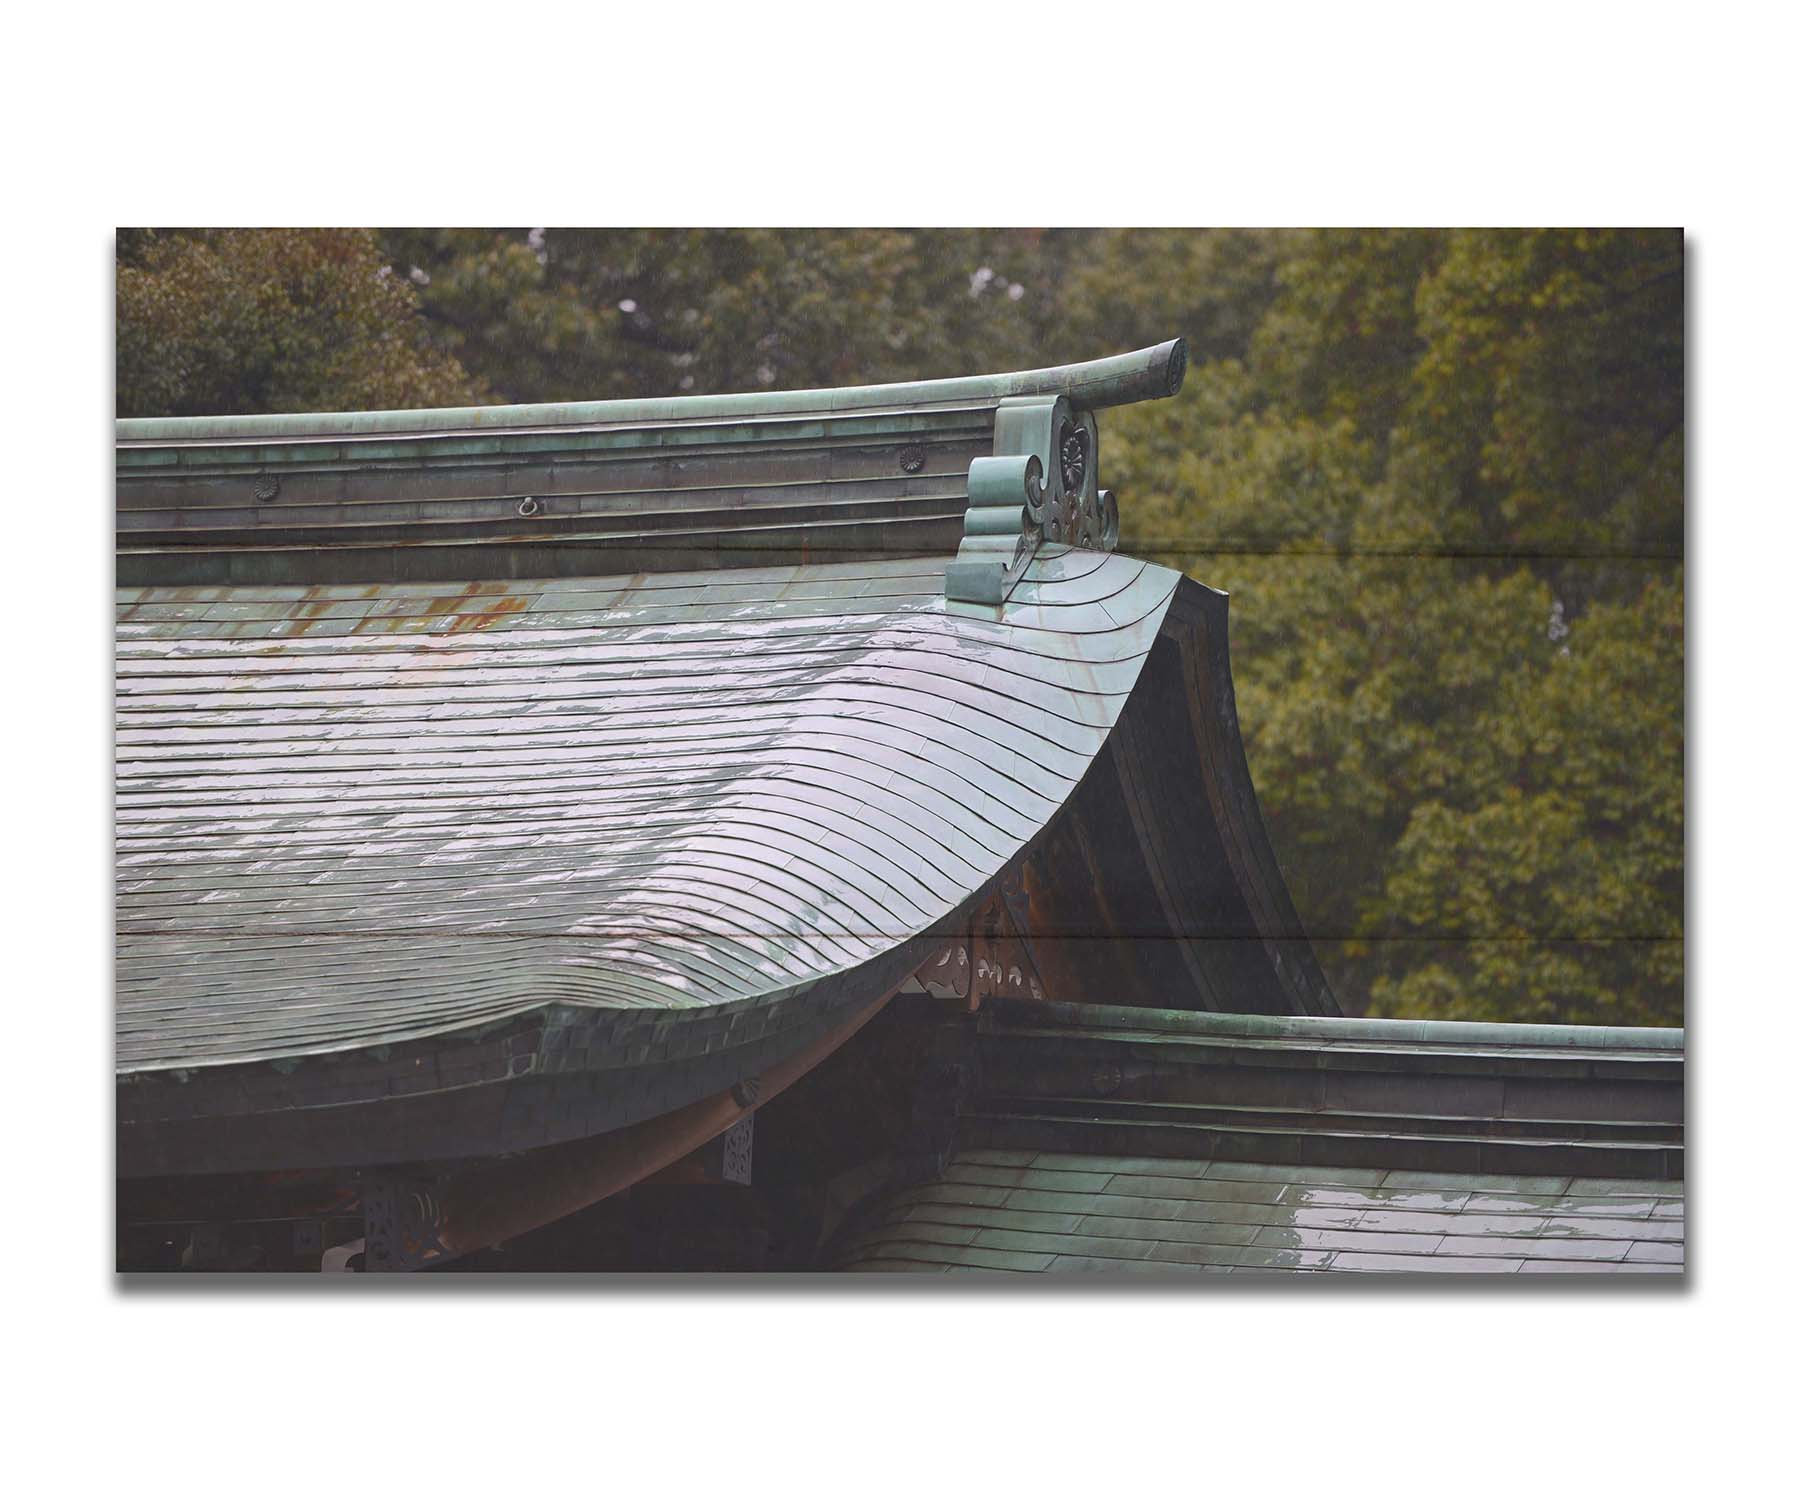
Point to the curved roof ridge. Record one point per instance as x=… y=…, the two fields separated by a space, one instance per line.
x=1140 y=375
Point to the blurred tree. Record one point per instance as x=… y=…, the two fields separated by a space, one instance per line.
x=1557 y=846
x=256 y=320
x=1445 y=484
x=585 y=314
x=1545 y=416
x=1134 y=287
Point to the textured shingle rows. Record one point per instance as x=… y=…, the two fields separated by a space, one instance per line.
x=1056 y=1211
x=356 y=814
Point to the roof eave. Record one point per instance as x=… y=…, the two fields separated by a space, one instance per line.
x=1141 y=375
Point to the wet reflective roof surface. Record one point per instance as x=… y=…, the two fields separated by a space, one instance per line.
x=994 y=1210
x=352 y=814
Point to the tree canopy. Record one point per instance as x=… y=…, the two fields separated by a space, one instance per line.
x=1441 y=472
x=1444 y=483
x=225 y=322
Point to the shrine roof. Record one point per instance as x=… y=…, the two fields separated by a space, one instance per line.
x=600 y=488
x=1106 y=1138
x=350 y=815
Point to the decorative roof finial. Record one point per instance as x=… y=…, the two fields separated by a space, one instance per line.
x=1040 y=485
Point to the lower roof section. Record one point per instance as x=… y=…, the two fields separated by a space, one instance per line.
x=1098 y=1138
x=997 y=1210
x=1445 y=1096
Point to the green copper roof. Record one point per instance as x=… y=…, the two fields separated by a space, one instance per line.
x=1138 y=376
x=589 y=759
x=1325 y=1034
x=1105 y=1138
x=997 y=1210
x=1321 y=1090
x=602 y=488
x=353 y=815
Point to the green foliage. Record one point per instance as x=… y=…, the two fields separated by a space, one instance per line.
x=1441 y=473
x=1445 y=487
x=1130 y=288
x=590 y=314
x=254 y=320
x=1551 y=387
x=1557 y=850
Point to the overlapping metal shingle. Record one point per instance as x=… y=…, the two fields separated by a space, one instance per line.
x=354 y=814
x=1062 y=1211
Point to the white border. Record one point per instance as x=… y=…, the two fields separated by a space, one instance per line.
x=1526 y=113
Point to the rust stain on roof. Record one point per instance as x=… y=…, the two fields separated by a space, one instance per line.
x=492 y=612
